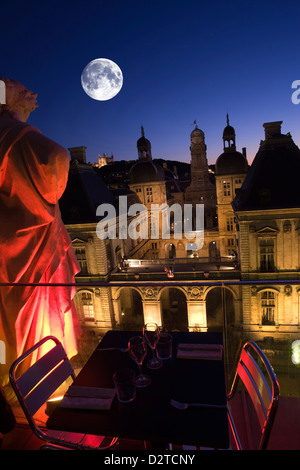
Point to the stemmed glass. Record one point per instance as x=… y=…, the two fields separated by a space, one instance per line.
x=151 y=334
x=138 y=350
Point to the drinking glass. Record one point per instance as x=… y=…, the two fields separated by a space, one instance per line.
x=151 y=334
x=138 y=350
x=164 y=345
x=124 y=380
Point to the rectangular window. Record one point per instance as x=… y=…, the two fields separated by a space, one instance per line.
x=226 y=188
x=230 y=224
x=268 y=308
x=149 y=195
x=267 y=263
x=81 y=257
x=87 y=306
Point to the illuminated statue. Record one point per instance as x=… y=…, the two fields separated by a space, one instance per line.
x=34 y=244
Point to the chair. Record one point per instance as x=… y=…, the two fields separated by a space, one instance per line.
x=251 y=411
x=36 y=385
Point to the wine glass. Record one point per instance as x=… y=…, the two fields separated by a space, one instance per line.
x=138 y=350
x=151 y=334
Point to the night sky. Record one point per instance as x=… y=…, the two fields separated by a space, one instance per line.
x=182 y=61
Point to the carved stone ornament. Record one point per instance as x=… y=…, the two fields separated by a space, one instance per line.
x=150 y=292
x=287 y=226
x=253 y=290
x=195 y=291
x=288 y=290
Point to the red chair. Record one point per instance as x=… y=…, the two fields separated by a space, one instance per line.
x=253 y=400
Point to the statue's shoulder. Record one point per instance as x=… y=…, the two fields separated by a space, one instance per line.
x=13 y=131
x=16 y=127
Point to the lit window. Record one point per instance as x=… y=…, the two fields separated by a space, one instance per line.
x=87 y=305
x=268 y=308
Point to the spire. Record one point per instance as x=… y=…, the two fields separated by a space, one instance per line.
x=227 y=119
x=143 y=132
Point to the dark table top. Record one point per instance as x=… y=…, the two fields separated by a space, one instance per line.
x=150 y=416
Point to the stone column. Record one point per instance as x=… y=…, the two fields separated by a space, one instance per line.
x=151 y=305
x=152 y=314
x=197 y=319
x=196 y=309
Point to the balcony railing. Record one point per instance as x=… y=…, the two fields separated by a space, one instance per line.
x=279 y=341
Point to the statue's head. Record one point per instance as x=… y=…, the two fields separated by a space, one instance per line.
x=19 y=102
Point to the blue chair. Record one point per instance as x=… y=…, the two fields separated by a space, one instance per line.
x=36 y=385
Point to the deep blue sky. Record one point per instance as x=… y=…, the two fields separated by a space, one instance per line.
x=181 y=60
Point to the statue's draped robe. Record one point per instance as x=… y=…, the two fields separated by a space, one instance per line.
x=34 y=244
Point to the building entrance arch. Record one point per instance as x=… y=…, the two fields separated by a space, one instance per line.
x=220 y=308
x=130 y=306
x=173 y=307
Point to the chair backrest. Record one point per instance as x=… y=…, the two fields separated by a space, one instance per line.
x=262 y=387
x=41 y=379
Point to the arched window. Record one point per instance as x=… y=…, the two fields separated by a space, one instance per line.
x=268 y=307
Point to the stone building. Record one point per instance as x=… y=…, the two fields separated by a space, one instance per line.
x=201 y=189
x=256 y=238
x=268 y=216
x=230 y=171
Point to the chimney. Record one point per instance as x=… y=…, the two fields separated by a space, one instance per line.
x=78 y=153
x=244 y=151
x=272 y=129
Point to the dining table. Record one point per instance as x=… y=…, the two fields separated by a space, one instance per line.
x=151 y=416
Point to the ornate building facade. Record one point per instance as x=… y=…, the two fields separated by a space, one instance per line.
x=268 y=215
x=254 y=238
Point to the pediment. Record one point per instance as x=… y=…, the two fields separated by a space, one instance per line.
x=78 y=241
x=267 y=229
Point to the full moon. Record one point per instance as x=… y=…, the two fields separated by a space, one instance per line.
x=102 y=79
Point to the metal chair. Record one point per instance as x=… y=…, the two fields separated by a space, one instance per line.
x=36 y=385
x=251 y=422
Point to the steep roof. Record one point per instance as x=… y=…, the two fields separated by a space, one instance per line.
x=273 y=179
x=85 y=191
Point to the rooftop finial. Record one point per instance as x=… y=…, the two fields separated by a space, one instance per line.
x=227 y=119
x=143 y=133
